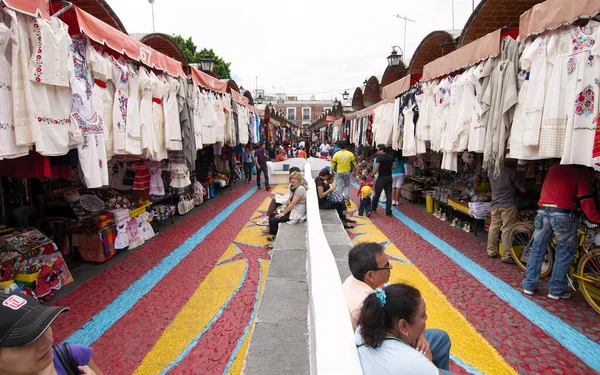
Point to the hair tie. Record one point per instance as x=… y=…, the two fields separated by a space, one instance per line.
x=380 y=293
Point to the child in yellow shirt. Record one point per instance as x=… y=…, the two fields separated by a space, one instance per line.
x=364 y=193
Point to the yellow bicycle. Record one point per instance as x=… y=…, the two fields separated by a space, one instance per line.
x=585 y=269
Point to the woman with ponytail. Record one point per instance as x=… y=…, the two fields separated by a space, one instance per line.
x=391 y=321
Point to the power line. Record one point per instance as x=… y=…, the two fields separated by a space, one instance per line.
x=406 y=19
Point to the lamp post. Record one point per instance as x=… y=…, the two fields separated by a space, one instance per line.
x=152 y=5
x=345 y=95
x=259 y=99
x=207 y=64
x=394 y=58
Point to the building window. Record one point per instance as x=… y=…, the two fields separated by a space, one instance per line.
x=305 y=113
x=291 y=113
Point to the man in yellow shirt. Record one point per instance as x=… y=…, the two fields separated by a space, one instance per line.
x=343 y=163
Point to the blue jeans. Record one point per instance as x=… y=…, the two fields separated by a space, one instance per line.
x=343 y=182
x=565 y=231
x=364 y=206
x=439 y=345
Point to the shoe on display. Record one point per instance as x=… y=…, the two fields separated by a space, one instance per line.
x=443 y=217
x=453 y=223
x=564 y=295
x=529 y=292
x=467 y=227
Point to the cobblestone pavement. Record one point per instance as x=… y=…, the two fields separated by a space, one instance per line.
x=184 y=303
x=523 y=344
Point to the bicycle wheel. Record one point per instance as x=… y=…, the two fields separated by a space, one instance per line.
x=521 y=238
x=588 y=273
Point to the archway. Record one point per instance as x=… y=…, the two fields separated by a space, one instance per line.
x=357 y=100
x=372 y=93
x=435 y=45
x=491 y=15
x=163 y=43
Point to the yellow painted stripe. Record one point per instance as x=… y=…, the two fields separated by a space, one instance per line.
x=207 y=300
x=467 y=343
x=238 y=364
x=200 y=309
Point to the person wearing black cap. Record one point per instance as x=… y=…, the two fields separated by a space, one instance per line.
x=26 y=341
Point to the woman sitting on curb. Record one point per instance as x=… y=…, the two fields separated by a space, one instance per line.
x=390 y=322
x=26 y=341
x=294 y=209
x=326 y=188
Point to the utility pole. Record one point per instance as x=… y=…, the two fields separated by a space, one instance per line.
x=152 y=4
x=452 y=14
x=406 y=19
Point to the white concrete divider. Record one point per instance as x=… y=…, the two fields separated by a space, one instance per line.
x=332 y=348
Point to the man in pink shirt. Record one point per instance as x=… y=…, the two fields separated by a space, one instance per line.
x=370 y=269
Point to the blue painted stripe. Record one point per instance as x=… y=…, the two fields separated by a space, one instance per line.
x=188 y=348
x=108 y=316
x=574 y=341
x=470 y=369
x=250 y=322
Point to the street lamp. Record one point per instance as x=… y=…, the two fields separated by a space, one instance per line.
x=345 y=95
x=394 y=58
x=207 y=64
x=259 y=99
x=365 y=83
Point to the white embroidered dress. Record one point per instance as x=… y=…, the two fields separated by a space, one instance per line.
x=8 y=142
x=102 y=94
x=50 y=71
x=120 y=78
x=173 y=139
x=158 y=118
x=89 y=134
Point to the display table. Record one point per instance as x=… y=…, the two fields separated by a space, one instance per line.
x=463 y=208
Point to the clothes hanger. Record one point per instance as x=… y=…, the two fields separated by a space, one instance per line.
x=67 y=5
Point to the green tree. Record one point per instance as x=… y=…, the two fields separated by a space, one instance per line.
x=191 y=53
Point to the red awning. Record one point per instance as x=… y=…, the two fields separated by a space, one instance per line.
x=31 y=7
x=103 y=33
x=552 y=14
x=330 y=119
x=241 y=99
x=396 y=88
x=367 y=111
x=253 y=109
x=206 y=81
x=471 y=54
x=338 y=122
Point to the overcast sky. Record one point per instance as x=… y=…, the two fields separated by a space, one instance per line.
x=300 y=48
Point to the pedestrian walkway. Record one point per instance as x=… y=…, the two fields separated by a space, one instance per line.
x=183 y=302
x=187 y=300
x=538 y=336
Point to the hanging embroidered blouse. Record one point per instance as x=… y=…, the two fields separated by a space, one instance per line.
x=120 y=78
x=50 y=72
x=91 y=149
x=195 y=96
x=8 y=142
x=147 y=128
x=158 y=118
x=81 y=83
x=102 y=93
x=173 y=139
x=133 y=142
x=582 y=93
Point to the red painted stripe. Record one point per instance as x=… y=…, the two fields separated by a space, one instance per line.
x=523 y=345
x=137 y=332
x=95 y=294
